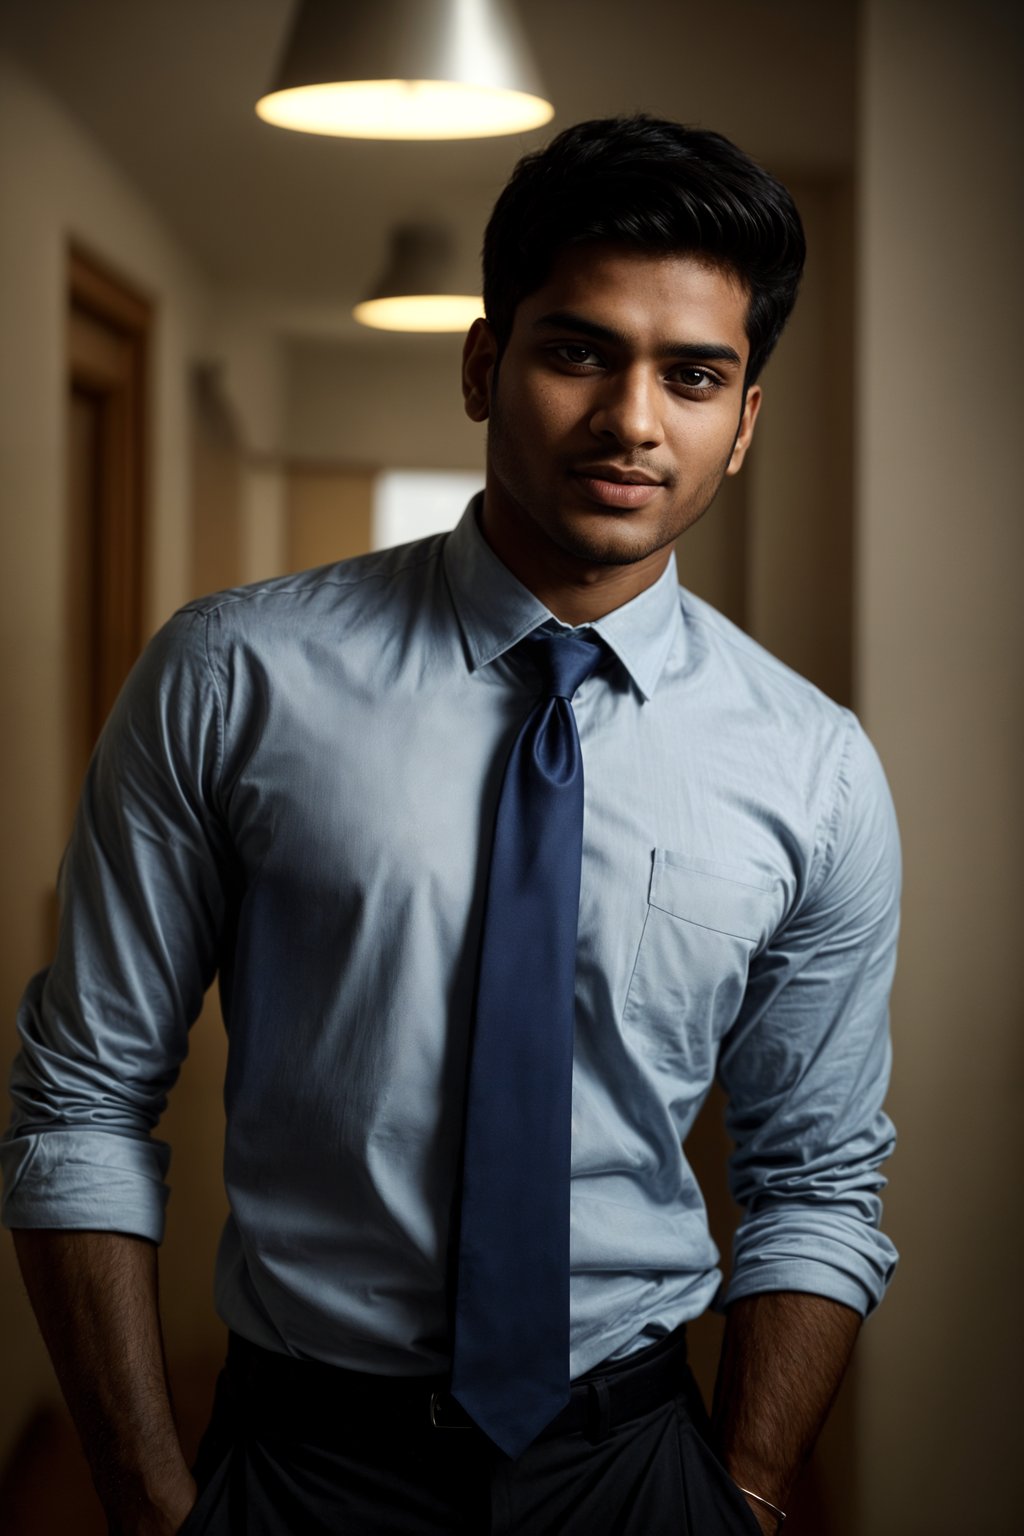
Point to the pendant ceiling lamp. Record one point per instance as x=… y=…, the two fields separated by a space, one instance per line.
x=419 y=289
x=406 y=69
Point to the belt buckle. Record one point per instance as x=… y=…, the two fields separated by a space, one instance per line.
x=437 y=1400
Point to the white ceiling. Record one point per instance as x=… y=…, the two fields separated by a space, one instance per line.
x=167 y=88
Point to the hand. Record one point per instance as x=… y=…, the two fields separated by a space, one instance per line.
x=764 y=1517
x=156 y=1516
x=95 y=1295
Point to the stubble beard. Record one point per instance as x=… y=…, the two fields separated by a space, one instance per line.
x=611 y=539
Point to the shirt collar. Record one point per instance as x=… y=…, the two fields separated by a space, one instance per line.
x=495 y=611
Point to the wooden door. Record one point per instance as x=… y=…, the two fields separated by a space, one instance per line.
x=108 y=344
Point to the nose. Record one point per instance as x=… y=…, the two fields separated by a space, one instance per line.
x=629 y=409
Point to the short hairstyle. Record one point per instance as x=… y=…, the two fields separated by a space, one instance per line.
x=657 y=186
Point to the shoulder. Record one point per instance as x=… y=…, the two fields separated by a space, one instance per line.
x=762 y=708
x=811 y=751
x=741 y=664
x=389 y=575
x=223 y=648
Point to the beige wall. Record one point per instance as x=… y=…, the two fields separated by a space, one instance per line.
x=940 y=636
x=251 y=378
x=217 y=486
x=391 y=403
x=799 y=590
x=238 y=512
x=329 y=515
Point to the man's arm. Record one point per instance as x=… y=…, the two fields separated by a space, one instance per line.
x=783 y=1357
x=95 y=1297
x=103 y=1032
x=806 y=1067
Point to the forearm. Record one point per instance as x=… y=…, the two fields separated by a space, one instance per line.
x=95 y=1297
x=783 y=1358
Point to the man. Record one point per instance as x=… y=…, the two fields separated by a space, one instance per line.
x=341 y=791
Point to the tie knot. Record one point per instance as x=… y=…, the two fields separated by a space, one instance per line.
x=564 y=661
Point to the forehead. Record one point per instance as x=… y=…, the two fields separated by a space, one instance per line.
x=643 y=295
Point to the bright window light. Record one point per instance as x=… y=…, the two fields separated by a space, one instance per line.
x=412 y=504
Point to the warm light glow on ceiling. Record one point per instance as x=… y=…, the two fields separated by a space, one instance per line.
x=404 y=109
x=420 y=312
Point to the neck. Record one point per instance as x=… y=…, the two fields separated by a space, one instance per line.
x=584 y=603
x=575 y=591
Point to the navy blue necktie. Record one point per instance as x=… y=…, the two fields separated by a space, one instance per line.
x=510 y=1364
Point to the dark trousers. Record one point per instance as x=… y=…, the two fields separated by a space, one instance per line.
x=299 y=1449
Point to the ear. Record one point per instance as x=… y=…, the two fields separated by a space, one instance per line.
x=478 y=358
x=751 y=406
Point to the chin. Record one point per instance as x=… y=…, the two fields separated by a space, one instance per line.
x=616 y=542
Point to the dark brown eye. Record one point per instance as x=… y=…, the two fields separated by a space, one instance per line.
x=576 y=353
x=698 y=380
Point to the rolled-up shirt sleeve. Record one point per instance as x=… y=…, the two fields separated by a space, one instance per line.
x=104 y=1030
x=806 y=1065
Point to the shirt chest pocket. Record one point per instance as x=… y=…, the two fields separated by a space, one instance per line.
x=704 y=922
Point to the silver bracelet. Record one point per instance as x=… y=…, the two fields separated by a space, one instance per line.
x=780 y=1514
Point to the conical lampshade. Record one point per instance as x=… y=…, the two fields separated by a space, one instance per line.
x=418 y=290
x=406 y=69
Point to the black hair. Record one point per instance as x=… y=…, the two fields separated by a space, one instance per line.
x=657 y=186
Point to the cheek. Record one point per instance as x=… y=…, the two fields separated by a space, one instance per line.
x=548 y=408
x=706 y=437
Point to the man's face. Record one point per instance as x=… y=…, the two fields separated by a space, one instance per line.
x=616 y=410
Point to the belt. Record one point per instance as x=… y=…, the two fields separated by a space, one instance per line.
x=609 y=1395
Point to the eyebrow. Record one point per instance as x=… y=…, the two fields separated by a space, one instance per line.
x=697 y=351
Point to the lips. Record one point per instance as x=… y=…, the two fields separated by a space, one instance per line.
x=612 y=486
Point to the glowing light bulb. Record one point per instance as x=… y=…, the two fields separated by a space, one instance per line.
x=404 y=109
x=420 y=312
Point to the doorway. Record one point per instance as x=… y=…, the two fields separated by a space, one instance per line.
x=109 y=337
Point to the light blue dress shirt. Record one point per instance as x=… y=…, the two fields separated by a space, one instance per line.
x=297 y=788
